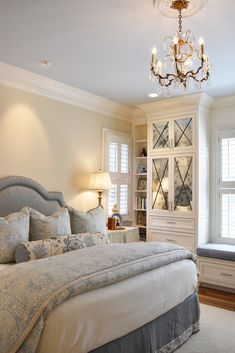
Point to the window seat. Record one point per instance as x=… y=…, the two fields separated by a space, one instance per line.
x=217 y=251
x=216 y=265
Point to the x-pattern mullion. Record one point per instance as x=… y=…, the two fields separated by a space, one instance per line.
x=160 y=183
x=183 y=132
x=183 y=183
x=161 y=136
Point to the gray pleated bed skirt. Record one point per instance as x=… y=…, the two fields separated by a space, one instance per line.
x=162 y=335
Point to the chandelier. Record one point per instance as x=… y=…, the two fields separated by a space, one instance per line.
x=185 y=62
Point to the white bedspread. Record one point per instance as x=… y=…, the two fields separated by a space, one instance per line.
x=88 y=321
x=5 y=266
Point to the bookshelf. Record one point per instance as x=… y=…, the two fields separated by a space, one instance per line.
x=140 y=179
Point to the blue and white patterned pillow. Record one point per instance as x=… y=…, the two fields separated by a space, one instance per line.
x=14 y=229
x=39 y=249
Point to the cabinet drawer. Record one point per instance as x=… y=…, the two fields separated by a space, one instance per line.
x=216 y=272
x=183 y=224
x=186 y=241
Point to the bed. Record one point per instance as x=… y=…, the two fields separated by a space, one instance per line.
x=154 y=310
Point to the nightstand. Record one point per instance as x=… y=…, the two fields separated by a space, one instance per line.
x=127 y=235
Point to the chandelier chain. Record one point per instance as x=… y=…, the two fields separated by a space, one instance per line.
x=180 y=21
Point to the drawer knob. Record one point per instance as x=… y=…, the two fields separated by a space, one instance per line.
x=171 y=240
x=170 y=222
x=226 y=274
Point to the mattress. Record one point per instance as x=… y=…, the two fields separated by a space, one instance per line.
x=90 y=320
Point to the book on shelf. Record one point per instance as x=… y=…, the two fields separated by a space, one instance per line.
x=141 y=203
x=141 y=219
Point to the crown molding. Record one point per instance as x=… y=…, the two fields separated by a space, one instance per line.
x=223 y=103
x=24 y=80
x=138 y=116
x=181 y=104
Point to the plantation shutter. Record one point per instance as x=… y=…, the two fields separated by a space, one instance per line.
x=117 y=163
x=227 y=185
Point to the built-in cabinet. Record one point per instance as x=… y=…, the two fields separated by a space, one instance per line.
x=178 y=171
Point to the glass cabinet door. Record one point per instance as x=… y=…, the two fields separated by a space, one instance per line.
x=160 y=183
x=183 y=184
x=183 y=132
x=160 y=135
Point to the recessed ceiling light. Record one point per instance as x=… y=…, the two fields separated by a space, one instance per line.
x=153 y=95
x=45 y=63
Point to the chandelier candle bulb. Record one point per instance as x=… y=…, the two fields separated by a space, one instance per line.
x=154 y=56
x=175 y=45
x=201 y=43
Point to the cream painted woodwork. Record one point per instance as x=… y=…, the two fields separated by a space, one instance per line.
x=139 y=217
x=186 y=240
x=216 y=272
x=178 y=170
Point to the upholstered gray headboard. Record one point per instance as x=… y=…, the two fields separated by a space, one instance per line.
x=17 y=192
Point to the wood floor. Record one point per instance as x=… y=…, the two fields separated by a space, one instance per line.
x=217 y=298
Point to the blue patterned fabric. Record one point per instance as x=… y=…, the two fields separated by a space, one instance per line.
x=30 y=290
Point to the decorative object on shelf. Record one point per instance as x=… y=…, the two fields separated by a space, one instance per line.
x=100 y=181
x=118 y=220
x=142 y=184
x=144 y=152
x=142 y=169
x=186 y=63
x=115 y=208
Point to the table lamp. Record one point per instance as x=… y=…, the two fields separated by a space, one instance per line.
x=100 y=181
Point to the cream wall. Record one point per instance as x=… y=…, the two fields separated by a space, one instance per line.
x=55 y=143
x=222 y=116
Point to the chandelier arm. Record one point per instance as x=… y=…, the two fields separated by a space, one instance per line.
x=167 y=77
x=163 y=77
x=193 y=75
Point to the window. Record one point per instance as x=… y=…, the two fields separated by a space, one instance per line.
x=116 y=161
x=226 y=186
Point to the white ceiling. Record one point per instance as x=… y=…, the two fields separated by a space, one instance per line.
x=104 y=46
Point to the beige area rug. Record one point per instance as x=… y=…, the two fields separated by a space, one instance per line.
x=217 y=334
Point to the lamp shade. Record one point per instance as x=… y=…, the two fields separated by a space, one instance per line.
x=100 y=181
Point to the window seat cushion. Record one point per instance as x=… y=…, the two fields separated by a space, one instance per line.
x=217 y=251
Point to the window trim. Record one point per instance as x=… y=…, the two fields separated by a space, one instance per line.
x=105 y=132
x=223 y=132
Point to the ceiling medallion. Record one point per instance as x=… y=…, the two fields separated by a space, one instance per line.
x=184 y=61
x=194 y=6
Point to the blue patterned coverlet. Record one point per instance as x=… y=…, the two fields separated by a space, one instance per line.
x=29 y=291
